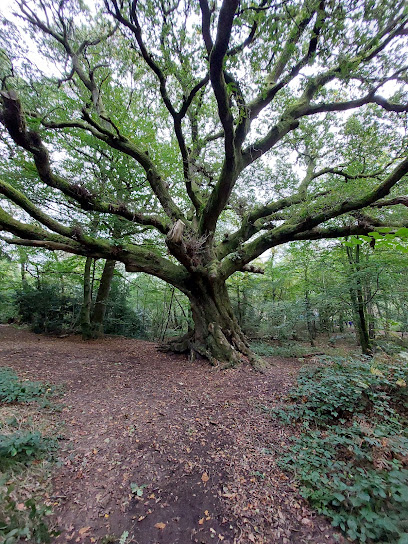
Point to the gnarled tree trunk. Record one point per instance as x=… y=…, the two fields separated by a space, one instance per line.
x=217 y=335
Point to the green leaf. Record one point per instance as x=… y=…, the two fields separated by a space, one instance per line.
x=402 y=233
x=384 y=229
x=376 y=235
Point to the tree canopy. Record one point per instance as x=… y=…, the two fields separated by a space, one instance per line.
x=185 y=139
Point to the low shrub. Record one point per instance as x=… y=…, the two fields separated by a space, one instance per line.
x=12 y=389
x=22 y=514
x=47 y=310
x=26 y=521
x=24 y=444
x=121 y=317
x=351 y=456
x=389 y=347
x=290 y=350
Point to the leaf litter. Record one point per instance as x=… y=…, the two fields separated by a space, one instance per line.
x=193 y=441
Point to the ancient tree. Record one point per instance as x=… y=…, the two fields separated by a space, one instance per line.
x=224 y=128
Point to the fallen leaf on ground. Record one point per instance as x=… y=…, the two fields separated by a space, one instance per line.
x=205 y=477
x=160 y=525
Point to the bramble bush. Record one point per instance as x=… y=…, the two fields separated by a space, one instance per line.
x=12 y=389
x=351 y=457
x=288 y=350
x=24 y=444
x=47 y=309
x=21 y=519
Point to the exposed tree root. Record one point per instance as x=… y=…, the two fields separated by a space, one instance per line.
x=217 y=349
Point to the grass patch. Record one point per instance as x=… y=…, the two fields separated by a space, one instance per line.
x=351 y=456
x=28 y=439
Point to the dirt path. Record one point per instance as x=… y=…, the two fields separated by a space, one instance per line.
x=191 y=440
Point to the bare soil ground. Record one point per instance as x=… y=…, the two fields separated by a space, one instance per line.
x=192 y=440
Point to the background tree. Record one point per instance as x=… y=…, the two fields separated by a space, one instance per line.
x=203 y=108
x=93 y=313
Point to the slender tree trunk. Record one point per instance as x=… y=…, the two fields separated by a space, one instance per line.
x=93 y=277
x=310 y=327
x=23 y=272
x=244 y=308
x=38 y=277
x=166 y=324
x=387 y=318
x=85 y=317
x=361 y=323
x=341 y=322
x=357 y=302
x=370 y=318
x=239 y=309
x=99 y=311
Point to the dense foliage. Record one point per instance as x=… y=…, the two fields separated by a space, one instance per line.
x=12 y=389
x=350 y=459
x=22 y=517
x=185 y=140
x=48 y=310
x=306 y=292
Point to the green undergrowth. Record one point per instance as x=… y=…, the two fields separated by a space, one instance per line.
x=12 y=389
x=392 y=346
x=290 y=350
x=350 y=455
x=28 y=441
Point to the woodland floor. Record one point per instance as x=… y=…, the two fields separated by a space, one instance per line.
x=194 y=436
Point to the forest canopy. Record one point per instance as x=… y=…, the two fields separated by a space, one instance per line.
x=185 y=139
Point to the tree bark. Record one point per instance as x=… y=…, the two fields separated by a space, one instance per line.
x=23 y=274
x=217 y=335
x=99 y=311
x=341 y=322
x=308 y=311
x=361 y=324
x=358 y=303
x=85 y=317
x=370 y=317
x=387 y=318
